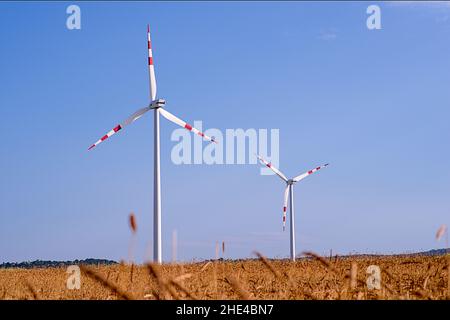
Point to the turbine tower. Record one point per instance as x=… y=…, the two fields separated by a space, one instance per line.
x=289 y=193
x=156 y=105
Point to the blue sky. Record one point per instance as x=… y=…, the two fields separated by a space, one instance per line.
x=373 y=103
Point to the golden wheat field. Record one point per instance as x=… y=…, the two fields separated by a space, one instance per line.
x=402 y=277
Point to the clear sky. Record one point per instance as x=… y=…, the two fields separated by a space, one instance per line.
x=373 y=103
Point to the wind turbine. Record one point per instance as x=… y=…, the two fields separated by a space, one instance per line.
x=289 y=193
x=156 y=105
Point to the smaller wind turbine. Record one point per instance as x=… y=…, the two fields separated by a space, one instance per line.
x=289 y=193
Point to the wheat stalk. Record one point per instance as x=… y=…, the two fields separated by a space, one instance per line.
x=131 y=273
x=177 y=284
x=33 y=292
x=171 y=290
x=353 y=275
x=268 y=264
x=106 y=283
x=205 y=266
x=215 y=276
x=422 y=294
x=162 y=284
x=238 y=288
x=183 y=277
x=132 y=221
x=133 y=226
x=322 y=260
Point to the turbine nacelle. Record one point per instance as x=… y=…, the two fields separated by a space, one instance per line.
x=158 y=103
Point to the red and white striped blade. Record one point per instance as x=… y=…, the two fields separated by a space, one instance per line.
x=120 y=126
x=304 y=175
x=151 y=67
x=269 y=165
x=181 y=123
x=285 y=203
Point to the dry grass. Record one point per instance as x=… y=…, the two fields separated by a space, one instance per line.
x=412 y=277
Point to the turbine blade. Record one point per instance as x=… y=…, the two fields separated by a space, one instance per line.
x=151 y=67
x=269 y=165
x=166 y=114
x=120 y=126
x=304 y=175
x=285 y=203
x=135 y=116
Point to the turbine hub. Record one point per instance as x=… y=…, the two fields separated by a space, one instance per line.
x=158 y=103
x=290 y=182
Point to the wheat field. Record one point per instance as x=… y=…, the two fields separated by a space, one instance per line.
x=313 y=277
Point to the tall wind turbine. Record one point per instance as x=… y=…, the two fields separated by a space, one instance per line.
x=289 y=193
x=156 y=105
